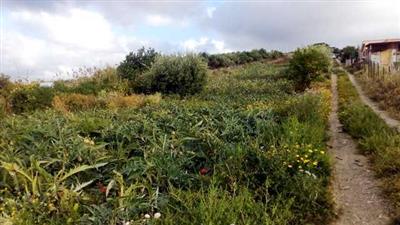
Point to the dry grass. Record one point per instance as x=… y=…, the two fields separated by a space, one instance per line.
x=385 y=90
x=74 y=102
x=78 y=102
x=3 y=106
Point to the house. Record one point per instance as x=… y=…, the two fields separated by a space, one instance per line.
x=384 y=53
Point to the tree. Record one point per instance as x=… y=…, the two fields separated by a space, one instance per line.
x=307 y=64
x=349 y=52
x=183 y=75
x=136 y=63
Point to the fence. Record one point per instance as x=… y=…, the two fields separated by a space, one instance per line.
x=374 y=70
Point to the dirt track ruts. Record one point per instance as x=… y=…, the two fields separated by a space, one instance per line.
x=356 y=191
x=367 y=101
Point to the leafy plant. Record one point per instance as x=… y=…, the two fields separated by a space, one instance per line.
x=25 y=98
x=183 y=75
x=136 y=63
x=308 y=64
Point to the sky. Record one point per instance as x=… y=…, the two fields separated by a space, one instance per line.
x=49 y=39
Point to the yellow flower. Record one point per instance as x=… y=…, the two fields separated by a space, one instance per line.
x=88 y=141
x=315 y=163
x=322 y=152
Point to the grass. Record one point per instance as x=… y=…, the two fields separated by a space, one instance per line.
x=385 y=90
x=246 y=150
x=375 y=138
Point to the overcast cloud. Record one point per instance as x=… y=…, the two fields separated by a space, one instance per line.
x=40 y=39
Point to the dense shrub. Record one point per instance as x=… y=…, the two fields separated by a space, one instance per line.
x=183 y=75
x=307 y=64
x=216 y=61
x=136 y=63
x=25 y=98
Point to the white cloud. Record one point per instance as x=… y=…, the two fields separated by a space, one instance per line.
x=204 y=44
x=210 y=11
x=78 y=28
x=286 y=25
x=69 y=41
x=192 y=44
x=158 y=20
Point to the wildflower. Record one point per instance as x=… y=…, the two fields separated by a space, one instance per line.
x=315 y=163
x=204 y=171
x=322 y=152
x=88 y=141
x=127 y=223
x=290 y=166
x=310 y=151
x=157 y=215
x=101 y=187
x=147 y=216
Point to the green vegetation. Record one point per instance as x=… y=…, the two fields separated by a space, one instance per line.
x=375 y=137
x=384 y=89
x=183 y=75
x=247 y=149
x=348 y=52
x=238 y=58
x=309 y=64
x=136 y=63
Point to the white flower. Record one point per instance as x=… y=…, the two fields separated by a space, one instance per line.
x=127 y=223
x=157 y=215
x=147 y=216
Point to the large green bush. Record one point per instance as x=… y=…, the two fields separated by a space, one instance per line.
x=136 y=63
x=183 y=75
x=30 y=97
x=307 y=64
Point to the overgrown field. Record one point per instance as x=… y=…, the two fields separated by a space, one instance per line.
x=375 y=137
x=246 y=150
x=384 y=89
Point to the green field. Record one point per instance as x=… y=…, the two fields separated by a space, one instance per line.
x=247 y=149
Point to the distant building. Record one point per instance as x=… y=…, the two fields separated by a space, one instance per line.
x=385 y=53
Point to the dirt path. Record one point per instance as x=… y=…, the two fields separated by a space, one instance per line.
x=355 y=189
x=382 y=114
